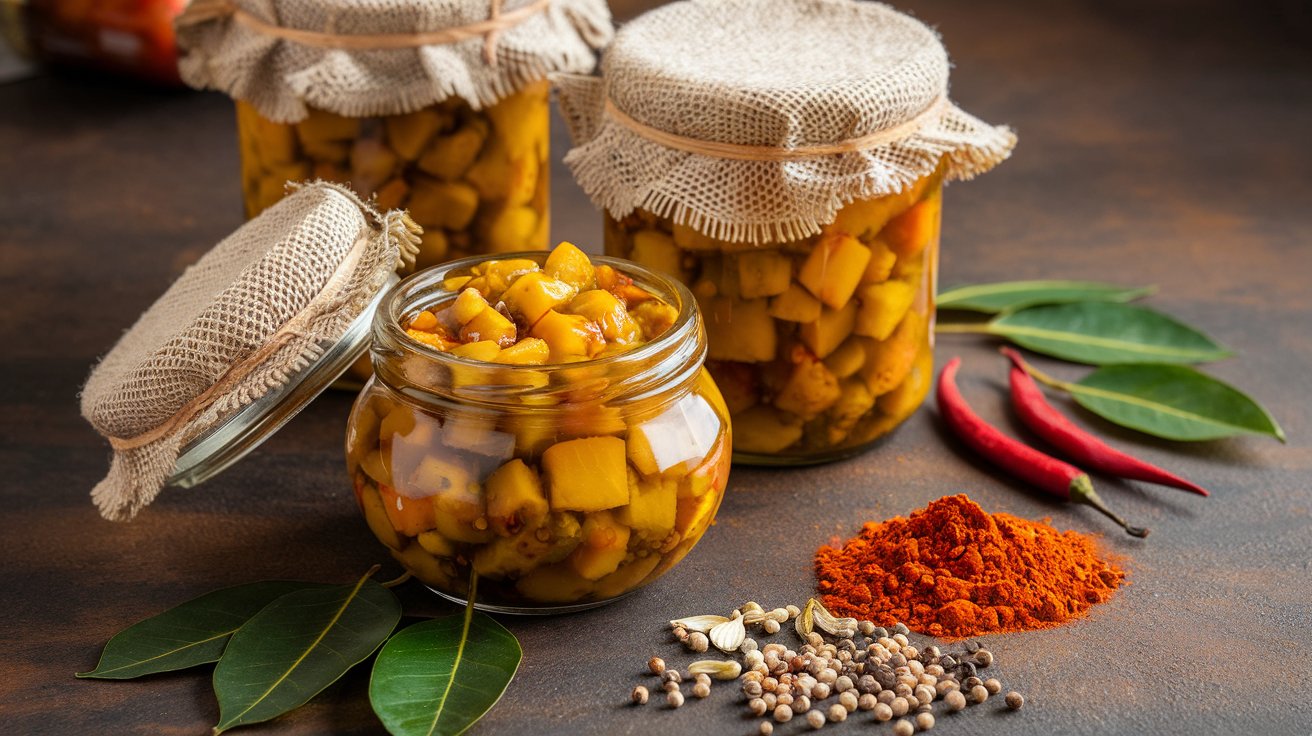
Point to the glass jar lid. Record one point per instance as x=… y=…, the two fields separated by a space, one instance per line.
x=252 y=332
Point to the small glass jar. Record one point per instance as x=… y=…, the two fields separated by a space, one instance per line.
x=821 y=346
x=560 y=487
x=476 y=180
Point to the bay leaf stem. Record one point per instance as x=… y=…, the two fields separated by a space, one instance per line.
x=981 y=328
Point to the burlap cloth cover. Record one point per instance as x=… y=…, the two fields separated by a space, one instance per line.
x=757 y=120
x=251 y=50
x=250 y=314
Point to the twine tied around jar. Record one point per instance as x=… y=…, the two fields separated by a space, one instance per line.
x=756 y=121
x=740 y=152
x=201 y=11
x=250 y=320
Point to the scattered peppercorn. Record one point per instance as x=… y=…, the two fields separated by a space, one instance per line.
x=983 y=658
x=757 y=706
x=783 y=714
x=670 y=686
x=1015 y=700
x=656 y=665
x=671 y=676
x=701 y=690
x=639 y=696
x=674 y=699
x=770 y=626
x=993 y=685
x=698 y=642
x=766 y=728
x=815 y=719
x=955 y=700
x=903 y=728
x=924 y=721
x=979 y=694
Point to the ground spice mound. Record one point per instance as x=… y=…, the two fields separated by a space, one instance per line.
x=954 y=571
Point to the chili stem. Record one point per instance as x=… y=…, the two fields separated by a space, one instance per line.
x=397 y=581
x=1040 y=376
x=1082 y=491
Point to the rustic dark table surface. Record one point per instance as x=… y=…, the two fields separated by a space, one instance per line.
x=1161 y=144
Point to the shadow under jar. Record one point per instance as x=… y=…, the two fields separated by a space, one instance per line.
x=560 y=486
x=821 y=346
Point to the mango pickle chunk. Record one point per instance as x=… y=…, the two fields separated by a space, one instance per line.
x=410 y=516
x=475 y=180
x=534 y=294
x=763 y=273
x=605 y=544
x=883 y=306
x=854 y=299
x=583 y=495
x=834 y=268
x=587 y=474
x=571 y=265
x=515 y=498
x=652 y=506
x=909 y=233
x=739 y=330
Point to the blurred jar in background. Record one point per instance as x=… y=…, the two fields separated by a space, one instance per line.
x=130 y=37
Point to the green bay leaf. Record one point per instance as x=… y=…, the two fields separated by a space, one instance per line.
x=1172 y=401
x=1008 y=296
x=442 y=675
x=1106 y=333
x=298 y=645
x=189 y=634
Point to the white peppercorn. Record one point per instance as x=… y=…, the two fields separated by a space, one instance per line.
x=639 y=695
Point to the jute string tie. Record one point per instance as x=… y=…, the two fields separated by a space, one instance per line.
x=741 y=152
x=207 y=10
x=293 y=328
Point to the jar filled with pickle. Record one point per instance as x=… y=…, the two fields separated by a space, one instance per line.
x=439 y=108
x=542 y=424
x=802 y=205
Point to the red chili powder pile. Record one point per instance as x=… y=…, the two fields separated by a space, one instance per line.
x=954 y=571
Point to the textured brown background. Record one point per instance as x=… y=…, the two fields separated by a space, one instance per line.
x=1164 y=146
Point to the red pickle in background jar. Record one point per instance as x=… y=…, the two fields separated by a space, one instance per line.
x=801 y=203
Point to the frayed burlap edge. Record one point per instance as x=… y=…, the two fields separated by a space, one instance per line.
x=137 y=475
x=228 y=57
x=621 y=171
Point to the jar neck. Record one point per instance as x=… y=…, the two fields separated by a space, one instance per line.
x=667 y=365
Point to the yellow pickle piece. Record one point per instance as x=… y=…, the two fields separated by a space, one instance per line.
x=571 y=501
x=855 y=298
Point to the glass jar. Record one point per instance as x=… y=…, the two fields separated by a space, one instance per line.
x=476 y=180
x=821 y=346
x=560 y=486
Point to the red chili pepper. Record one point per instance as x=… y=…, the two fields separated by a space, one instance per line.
x=1057 y=478
x=1041 y=417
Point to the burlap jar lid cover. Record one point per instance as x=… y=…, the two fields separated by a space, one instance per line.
x=383 y=57
x=243 y=340
x=757 y=120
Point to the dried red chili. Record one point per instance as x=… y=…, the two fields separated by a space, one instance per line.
x=1047 y=473
x=1045 y=421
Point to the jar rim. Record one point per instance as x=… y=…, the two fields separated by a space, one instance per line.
x=410 y=293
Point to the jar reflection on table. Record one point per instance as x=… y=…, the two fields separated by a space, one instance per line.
x=561 y=486
x=821 y=346
x=476 y=180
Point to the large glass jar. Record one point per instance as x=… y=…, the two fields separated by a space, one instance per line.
x=821 y=346
x=559 y=487
x=476 y=180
